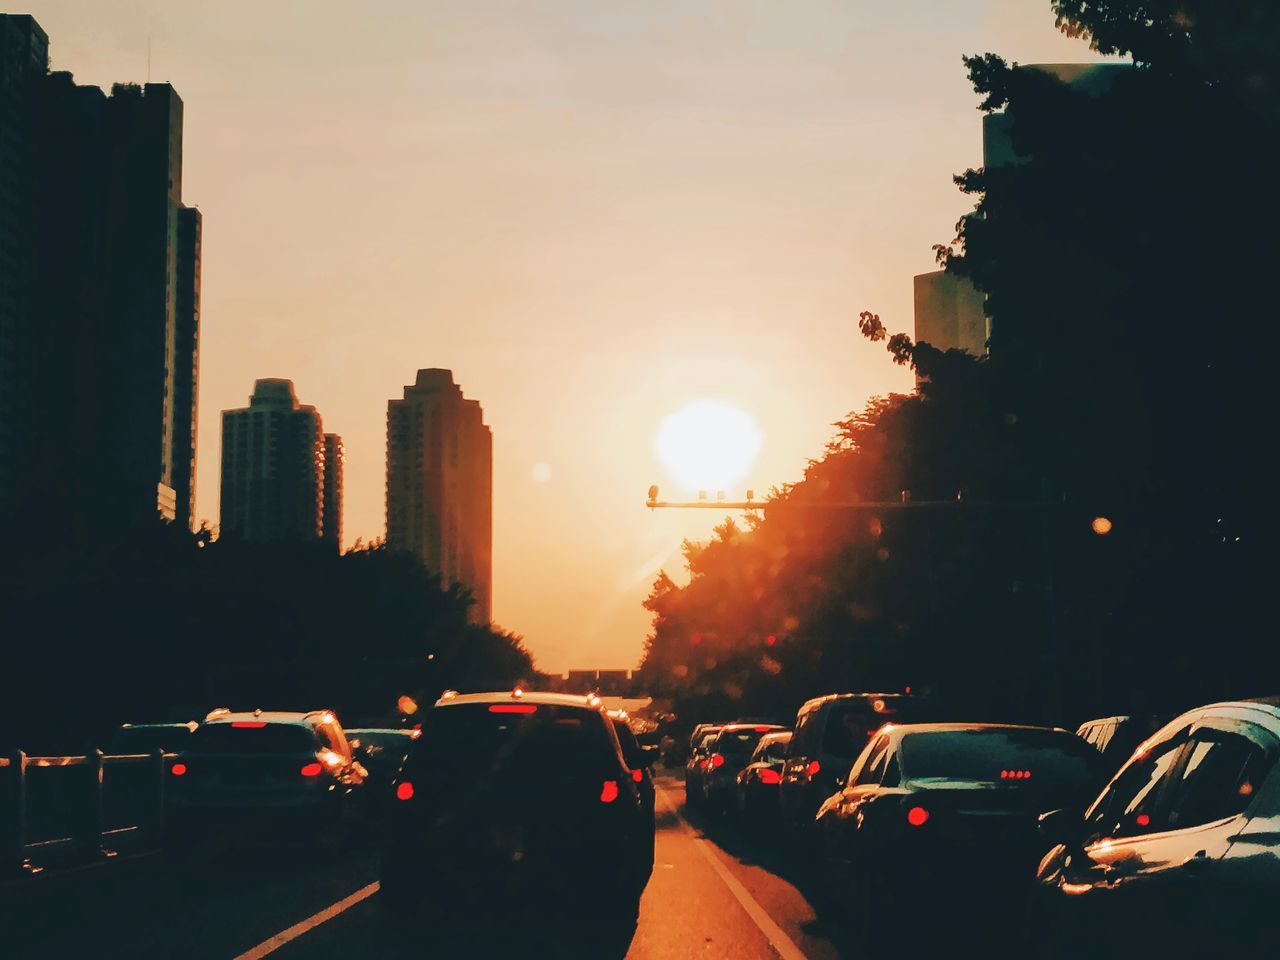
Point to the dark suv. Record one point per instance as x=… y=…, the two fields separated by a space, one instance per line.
x=293 y=769
x=514 y=797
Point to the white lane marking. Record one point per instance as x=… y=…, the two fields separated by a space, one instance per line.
x=272 y=944
x=777 y=937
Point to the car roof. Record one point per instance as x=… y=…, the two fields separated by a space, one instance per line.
x=900 y=729
x=527 y=696
x=399 y=731
x=770 y=727
x=188 y=725
x=309 y=719
x=1098 y=720
x=1264 y=711
x=832 y=697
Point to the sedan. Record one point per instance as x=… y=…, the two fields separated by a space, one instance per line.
x=932 y=812
x=756 y=796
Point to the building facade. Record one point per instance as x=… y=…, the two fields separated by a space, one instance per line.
x=99 y=298
x=440 y=484
x=331 y=519
x=273 y=468
x=949 y=313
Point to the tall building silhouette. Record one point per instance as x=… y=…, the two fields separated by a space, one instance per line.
x=273 y=468
x=331 y=520
x=440 y=484
x=99 y=309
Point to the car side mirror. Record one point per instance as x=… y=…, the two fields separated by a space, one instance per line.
x=1064 y=827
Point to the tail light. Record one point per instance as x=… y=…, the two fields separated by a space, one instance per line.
x=770 y=776
x=717 y=761
x=609 y=792
x=178 y=769
x=917 y=816
x=1015 y=774
x=404 y=790
x=248 y=724
x=763 y=729
x=814 y=768
x=637 y=776
x=513 y=708
x=312 y=770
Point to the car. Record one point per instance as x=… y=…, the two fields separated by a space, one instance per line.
x=133 y=738
x=513 y=797
x=292 y=772
x=828 y=735
x=639 y=759
x=931 y=814
x=1179 y=855
x=1117 y=737
x=727 y=752
x=382 y=750
x=756 y=793
x=695 y=768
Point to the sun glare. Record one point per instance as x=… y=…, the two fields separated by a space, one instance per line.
x=708 y=444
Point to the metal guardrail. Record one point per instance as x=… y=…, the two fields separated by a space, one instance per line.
x=70 y=808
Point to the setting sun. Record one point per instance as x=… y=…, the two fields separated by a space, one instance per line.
x=708 y=444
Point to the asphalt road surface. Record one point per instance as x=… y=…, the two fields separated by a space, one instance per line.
x=713 y=895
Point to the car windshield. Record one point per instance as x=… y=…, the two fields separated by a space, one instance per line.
x=252 y=737
x=1016 y=757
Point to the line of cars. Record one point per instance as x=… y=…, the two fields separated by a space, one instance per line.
x=1131 y=837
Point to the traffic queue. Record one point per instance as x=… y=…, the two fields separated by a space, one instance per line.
x=1037 y=837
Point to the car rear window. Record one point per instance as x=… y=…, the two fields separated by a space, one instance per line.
x=544 y=741
x=144 y=740
x=850 y=723
x=268 y=738
x=739 y=743
x=1033 y=757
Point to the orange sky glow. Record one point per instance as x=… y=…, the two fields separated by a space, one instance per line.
x=593 y=211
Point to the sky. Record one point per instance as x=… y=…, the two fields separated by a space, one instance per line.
x=595 y=212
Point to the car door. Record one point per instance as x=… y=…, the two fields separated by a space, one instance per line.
x=840 y=813
x=794 y=772
x=1157 y=840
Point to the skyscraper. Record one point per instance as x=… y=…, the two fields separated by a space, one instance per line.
x=334 y=459
x=949 y=313
x=272 y=467
x=99 y=301
x=440 y=484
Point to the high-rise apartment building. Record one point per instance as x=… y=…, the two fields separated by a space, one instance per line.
x=331 y=520
x=99 y=298
x=273 y=468
x=440 y=484
x=949 y=313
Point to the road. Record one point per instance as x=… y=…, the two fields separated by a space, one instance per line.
x=712 y=895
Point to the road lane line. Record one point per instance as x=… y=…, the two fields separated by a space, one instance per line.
x=272 y=944
x=783 y=945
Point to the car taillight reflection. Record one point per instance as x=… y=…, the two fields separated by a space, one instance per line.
x=609 y=792
x=770 y=776
x=404 y=791
x=178 y=769
x=717 y=761
x=312 y=770
x=637 y=776
x=917 y=816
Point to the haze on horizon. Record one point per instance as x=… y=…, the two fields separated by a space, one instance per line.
x=593 y=212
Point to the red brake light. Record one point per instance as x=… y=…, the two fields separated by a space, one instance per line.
x=717 y=761
x=1143 y=819
x=813 y=768
x=1015 y=774
x=609 y=792
x=917 y=816
x=178 y=769
x=770 y=776
x=312 y=770
x=404 y=790
x=249 y=724
x=637 y=776
x=763 y=729
x=513 y=708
